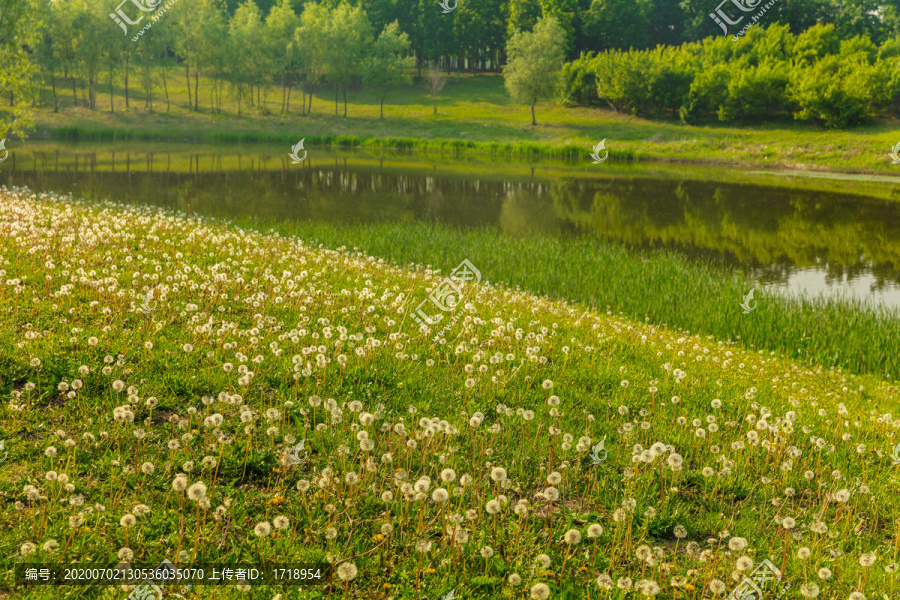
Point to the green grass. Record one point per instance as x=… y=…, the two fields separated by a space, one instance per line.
x=779 y=439
x=660 y=286
x=474 y=115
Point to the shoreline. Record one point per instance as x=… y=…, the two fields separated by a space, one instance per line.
x=459 y=147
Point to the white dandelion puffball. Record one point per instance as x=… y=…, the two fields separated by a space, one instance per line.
x=347 y=571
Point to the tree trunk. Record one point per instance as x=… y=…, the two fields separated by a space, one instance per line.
x=283 y=91
x=53 y=85
x=434 y=99
x=196 y=86
x=382 y=107
x=533 y=122
x=112 y=106
x=74 y=93
x=187 y=76
x=335 y=100
x=165 y=87
x=309 y=104
x=287 y=105
x=345 y=101
x=126 y=80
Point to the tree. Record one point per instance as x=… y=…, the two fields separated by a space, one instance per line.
x=281 y=24
x=523 y=15
x=535 y=61
x=388 y=62
x=19 y=29
x=348 y=38
x=434 y=83
x=248 y=63
x=199 y=40
x=616 y=24
x=311 y=38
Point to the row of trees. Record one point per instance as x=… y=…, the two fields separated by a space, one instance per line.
x=249 y=51
x=243 y=47
x=769 y=74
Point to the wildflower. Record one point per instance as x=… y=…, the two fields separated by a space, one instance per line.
x=809 y=590
x=498 y=474
x=440 y=495
x=736 y=544
x=125 y=554
x=605 y=582
x=572 y=537
x=824 y=573
x=127 y=520
x=680 y=532
x=594 y=530
x=179 y=484
x=868 y=559
x=486 y=551
x=347 y=571
x=197 y=491
x=262 y=529
x=803 y=553
x=281 y=522
x=514 y=579
x=717 y=586
x=540 y=591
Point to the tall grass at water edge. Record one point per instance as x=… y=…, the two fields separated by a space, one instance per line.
x=660 y=286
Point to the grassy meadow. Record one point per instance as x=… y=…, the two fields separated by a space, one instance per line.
x=474 y=114
x=467 y=458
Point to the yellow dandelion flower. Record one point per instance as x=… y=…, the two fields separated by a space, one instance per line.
x=276 y=500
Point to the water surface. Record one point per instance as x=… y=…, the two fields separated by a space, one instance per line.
x=832 y=237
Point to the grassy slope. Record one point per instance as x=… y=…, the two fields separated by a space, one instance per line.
x=479 y=110
x=745 y=492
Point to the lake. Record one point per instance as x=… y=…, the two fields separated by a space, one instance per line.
x=799 y=232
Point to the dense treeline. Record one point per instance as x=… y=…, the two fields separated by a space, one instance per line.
x=769 y=74
x=681 y=65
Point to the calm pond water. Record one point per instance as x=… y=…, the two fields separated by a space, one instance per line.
x=787 y=235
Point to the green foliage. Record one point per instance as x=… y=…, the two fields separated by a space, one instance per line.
x=579 y=82
x=535 y=62
x=768 y=74
x=388 y=62
x=20 y=26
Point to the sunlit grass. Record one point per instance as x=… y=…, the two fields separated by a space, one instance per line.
x=474 y=115
x=717 y=457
